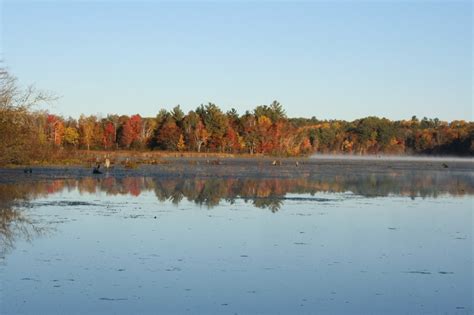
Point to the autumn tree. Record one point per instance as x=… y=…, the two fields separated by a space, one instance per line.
x=167 y=136
x=18 y=135
x=55 y=129
x=201 y=135
x=115 y=120
x=264 y=136
x=109 y=134
x=180 y=146
x=86 y=130
x=131 y=132
x=149 y=126
x=195 y=132
x=216 y=124
x=232 y=141
x=274 y=111
x=71 y=136
x=249 y=132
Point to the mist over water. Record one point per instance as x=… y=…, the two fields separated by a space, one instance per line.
x=381 y=157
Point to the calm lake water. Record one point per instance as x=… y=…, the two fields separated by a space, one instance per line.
x=376 y=244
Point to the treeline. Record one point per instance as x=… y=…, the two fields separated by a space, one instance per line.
x=265 y=130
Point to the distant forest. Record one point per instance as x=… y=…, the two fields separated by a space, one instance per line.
x=27 y=134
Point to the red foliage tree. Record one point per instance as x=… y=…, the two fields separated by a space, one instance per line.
x=131 y=131
x=168 y=135
x=109 y=135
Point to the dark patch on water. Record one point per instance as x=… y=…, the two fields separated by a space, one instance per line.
x=57 y=222
x=29 y=279
x=421 y=272
x=313 y=199
x=64 y=203
x=300 y=243
x=445 y=272
x=135 y=216
x=112 y=299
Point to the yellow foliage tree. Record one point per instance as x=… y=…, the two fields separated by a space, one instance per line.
x=181 y=145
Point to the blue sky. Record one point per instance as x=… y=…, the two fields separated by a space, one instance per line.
x=332 y=60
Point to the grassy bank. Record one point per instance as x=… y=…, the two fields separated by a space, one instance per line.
x=132 y=159
x=124 y=157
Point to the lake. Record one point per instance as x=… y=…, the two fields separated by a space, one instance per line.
x=395 y=242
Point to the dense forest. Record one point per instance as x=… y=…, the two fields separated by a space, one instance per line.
x=27 y=134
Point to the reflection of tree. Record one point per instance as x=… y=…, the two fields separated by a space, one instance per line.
x=267 y=193
x=213 y=190
x=14 y=223
x=273 y=204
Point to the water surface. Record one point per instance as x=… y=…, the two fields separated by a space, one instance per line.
x=379 y=243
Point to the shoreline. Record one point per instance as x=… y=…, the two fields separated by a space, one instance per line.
x=240 y=167
x=87 y=158
x=411 y=158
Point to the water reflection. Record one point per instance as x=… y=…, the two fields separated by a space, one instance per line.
x=14 y=222
x=267 y=193
x=263 y=193
x=111 y=254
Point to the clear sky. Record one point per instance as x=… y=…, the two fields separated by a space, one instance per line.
x=340 y=59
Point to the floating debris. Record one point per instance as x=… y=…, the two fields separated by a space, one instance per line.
x=421 y=272
x=30 y=279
